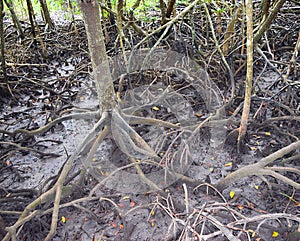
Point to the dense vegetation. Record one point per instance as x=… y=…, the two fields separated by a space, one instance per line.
x=186 y=115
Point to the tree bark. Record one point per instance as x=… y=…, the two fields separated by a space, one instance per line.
x=30 y=14
x=2 y=44
x=100 y=64
x=268 y=20
x=46 y=13
x=14 y=18
x=249 y=74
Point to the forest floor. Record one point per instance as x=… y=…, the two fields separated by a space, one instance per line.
x=43 y=89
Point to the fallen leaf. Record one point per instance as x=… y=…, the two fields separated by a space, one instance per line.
x=240 y=207
x=231 y=194
x=155 y=108
x=275 y=234
x=228 y=164
x=113 y=224
x=252 y=232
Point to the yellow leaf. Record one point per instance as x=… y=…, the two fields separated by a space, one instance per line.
x=152 y=224
x=275 y=234
x=125 y=197
x=256 y=187
x=253 y=148
x=155 y=108
x=231 y=194
x=50 y=119
x=228 y=164
x=152 y=212
x=212 y=158
x=211 y=169
x=198 y=115
x=253 y=233
x=63 y=219
x=100 y=170
x=268 y=133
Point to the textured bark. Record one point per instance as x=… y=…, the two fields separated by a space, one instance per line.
x=249 y=74
x=14 y=18
x=46 y=13
x=170 y=8
x=30 y=15
x=96 y=42
x=268 y=20
x=2 y=54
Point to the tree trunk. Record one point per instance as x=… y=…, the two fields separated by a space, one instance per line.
x=46 y=13
x=14 y=18
x=2 y=54
x=249 y=74
x=30 y=14
x=264 y=26
x=100 y=64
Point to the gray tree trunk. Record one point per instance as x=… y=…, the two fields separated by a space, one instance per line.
x=100 y=64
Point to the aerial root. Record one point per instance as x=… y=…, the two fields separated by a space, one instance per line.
x=260 y=168
x=134 y=146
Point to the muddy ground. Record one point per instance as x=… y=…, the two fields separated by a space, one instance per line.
x=41 y=90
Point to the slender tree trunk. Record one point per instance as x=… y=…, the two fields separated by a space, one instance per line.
x=249 y=74
x=264 y=26
x=101 y=70
x=14 y=18
x=46 y=13
x=110 y=15
x=30 y=14
x=170 y=8
x=2 y=54
x=70 y=4
x=163 y=11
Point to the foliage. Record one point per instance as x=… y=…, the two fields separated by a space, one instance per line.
x=20 y=7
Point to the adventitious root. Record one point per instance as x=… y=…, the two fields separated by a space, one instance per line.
x=54 y=194
x=91 y=143
x=43 y=129
x=114 y=124
x=260 y=169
